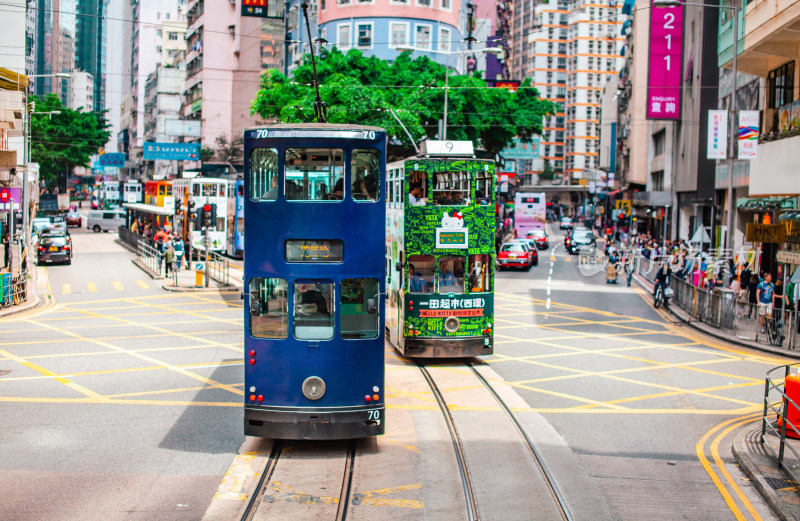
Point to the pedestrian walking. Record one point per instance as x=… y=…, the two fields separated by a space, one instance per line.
x=177 y=245
x=169 y=258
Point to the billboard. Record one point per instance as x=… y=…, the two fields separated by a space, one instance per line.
x=182 y=127
x=111 y=159
x=748 y=134
x=170 y=151
x=717 y=134
x=666 y=60
x=262 y=8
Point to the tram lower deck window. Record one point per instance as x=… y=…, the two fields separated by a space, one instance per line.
x=479 y=273
x=313 y=309
x=451 y=274
x=355 y=319
x=420 y=273
x=268 y=307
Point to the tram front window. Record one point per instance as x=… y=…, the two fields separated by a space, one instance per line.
x=263 y=174
x=365 y=174
x=314 y=174
x=313 y=310
x=417 y=188
x=479 y=275
x=420 y=273
x=355 y=319
x=483 y=188
x=450 y=189
x=451 y=274
x=268 y=308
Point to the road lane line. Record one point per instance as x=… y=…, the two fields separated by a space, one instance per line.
x=39 y=369
x=66 y=289
x=548 y=304
x=117 y=285
x=92 y=287
x=548 y=291
x=142 y=284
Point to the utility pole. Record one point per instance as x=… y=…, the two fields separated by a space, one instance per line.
x=734 y=131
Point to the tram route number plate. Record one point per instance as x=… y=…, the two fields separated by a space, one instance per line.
x=374 y=415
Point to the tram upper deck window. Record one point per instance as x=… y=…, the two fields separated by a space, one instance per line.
x=355 y=319
x=268 y=308
x=169 y=189
x=451 y=274
x=479 y=273
x=365 y=175
x=420 y=273
x=263 y=174
x=314 y=174
x=483 y=188
x=313 y=309
x=450 y=188
x=417 y=188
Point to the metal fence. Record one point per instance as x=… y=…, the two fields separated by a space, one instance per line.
x=219 y=268
x=150 y=257
x=779 y=408
x=722 y=309
x=14 y=289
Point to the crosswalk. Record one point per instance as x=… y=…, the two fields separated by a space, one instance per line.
x=91 y=287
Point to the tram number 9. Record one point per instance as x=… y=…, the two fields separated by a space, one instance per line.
x=369 y=134
x=374 y=415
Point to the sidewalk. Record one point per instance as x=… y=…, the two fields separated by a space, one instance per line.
x=186 y=280
x=722 y=334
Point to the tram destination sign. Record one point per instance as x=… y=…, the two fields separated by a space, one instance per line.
x=440 y=306
x=314 y=250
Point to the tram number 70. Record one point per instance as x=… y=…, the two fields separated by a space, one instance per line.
x=374 y=415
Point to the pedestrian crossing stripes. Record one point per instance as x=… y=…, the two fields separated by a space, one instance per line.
x=93 y=287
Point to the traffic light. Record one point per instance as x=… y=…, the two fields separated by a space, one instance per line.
x=199 y=218
x=206 y=213
x=213 y=213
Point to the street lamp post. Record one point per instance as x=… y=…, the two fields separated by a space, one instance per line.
x=734 y=139
x=485 y=50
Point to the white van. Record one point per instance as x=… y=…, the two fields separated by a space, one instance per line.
x=105 y=220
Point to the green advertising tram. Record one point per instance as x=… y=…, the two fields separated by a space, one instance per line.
x=440 y=253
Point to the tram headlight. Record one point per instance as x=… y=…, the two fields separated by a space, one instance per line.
x=451 y=324
x=313 y=388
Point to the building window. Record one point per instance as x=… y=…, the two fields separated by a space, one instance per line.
x=158 y=33
x=343 y=36
x=780 y=85
x=659 y=142
x=398 y=34
x=444 y=39
x=365 y=35
x=446 y=5
x=426 y=3
x=658 y=181
x=423 y=37
x=173 y=36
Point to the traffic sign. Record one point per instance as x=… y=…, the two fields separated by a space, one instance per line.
x=624 y=205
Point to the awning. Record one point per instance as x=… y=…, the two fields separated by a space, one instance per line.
x=11 y=80
x=148 y=208
x=627 y=7
x=625 y=26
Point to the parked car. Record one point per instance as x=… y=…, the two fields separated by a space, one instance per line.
x=55 y=245
x=533 y=249
x=578 y=238
x=514 y=255
x=74 y=219
x=565 y=224
x=540 y=236
x=105 y=220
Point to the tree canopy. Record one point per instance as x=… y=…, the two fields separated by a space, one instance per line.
x=62 y=141
x=361 y=90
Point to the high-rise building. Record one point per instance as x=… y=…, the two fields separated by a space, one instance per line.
x=81 y=91
x=91 y=30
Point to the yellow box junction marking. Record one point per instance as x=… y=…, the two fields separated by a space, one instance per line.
x=142 y=284
x=232 y=485
x=66 y=288
x=92 y=287
x=117 y=285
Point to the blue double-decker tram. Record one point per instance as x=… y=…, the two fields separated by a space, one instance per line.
x=314 y=275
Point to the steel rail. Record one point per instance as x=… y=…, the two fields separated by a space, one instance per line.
x=347 y=482
x=258 y=493
x=461 y=458
x=551 y=483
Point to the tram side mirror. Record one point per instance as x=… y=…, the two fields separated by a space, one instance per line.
x=371 y=307
x=255 y=307
x=398 y=267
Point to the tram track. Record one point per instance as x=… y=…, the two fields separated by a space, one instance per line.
x=267 y=492
x=470 y=494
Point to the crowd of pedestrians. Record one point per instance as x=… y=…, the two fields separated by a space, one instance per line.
x=171 y=249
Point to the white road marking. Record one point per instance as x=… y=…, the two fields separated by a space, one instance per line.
x=547 y=306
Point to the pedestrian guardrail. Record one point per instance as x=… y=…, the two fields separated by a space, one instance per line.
x=150 y=257
x=781 y=414
x=219 y=268
x=13 y=288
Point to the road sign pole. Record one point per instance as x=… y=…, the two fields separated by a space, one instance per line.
x=205 y=231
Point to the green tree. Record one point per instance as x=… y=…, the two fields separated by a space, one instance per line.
x=60 y=142
x=362 y=90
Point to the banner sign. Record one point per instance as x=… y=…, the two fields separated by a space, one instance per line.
x=666 y=60
x=717 y=134
x=748 y=134
x=169 y=151
x=111 y=159
x=14 y=198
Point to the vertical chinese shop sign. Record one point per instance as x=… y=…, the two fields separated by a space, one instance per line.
x=666 y=60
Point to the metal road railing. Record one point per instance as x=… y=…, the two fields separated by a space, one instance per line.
x=13 y=288
x=151 y=258
x=778 y=403
x=219 y=268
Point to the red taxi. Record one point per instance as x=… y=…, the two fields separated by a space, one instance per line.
x=516 y=255
x=73 y=219
x=540 y=237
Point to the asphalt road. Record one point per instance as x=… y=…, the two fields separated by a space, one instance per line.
x=123 y=401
